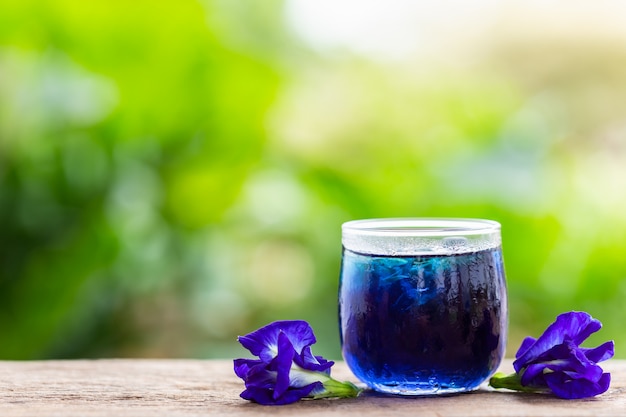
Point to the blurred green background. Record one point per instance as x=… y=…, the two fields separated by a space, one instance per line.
x=175 y=173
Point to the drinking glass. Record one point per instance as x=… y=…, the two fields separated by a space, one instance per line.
x=422 y=303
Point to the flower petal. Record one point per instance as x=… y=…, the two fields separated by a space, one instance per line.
x=261 y=377
x=601 y=353
x=324 y=364
x=313 y=363
x=577 y=388
x=282 y=364
x=299 y=377
x=574 y=326
x=533 y=375
x=296 y=394
x=526 y=344
x=301 y=335
x=242 y=366
x=264 y=341
x=259 y=395
x=266 y=396
x=580 y=326
x=566 y=358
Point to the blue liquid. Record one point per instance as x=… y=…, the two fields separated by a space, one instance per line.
x=423 y=325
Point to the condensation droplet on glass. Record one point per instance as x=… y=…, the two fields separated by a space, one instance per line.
x=432 y=381
x=454 y=242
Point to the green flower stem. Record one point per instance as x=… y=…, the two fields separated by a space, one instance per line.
x=337 y=389
x=512 y=382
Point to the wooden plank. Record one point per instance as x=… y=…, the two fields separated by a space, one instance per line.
x=124 y=388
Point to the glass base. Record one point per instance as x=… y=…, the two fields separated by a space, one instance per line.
x=420 y=389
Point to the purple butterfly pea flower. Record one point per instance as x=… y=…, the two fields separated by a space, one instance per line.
x=286 y=370
x=556 y=363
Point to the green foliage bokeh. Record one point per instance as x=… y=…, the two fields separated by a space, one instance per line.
x=173 y=174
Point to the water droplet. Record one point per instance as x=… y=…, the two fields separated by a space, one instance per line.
x=432 y=381
x=454 y=242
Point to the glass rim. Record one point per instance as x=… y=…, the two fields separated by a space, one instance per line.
x=420 y=226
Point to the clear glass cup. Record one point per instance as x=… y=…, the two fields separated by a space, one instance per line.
x=422 y=303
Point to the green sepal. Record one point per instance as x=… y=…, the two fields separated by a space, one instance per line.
x=512 y=382
x=337 y=389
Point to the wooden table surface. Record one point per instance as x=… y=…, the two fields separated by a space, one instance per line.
x=209 y=388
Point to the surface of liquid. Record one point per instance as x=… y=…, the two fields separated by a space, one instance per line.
x=420 y=325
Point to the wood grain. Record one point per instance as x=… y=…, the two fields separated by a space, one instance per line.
x=124 y=388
